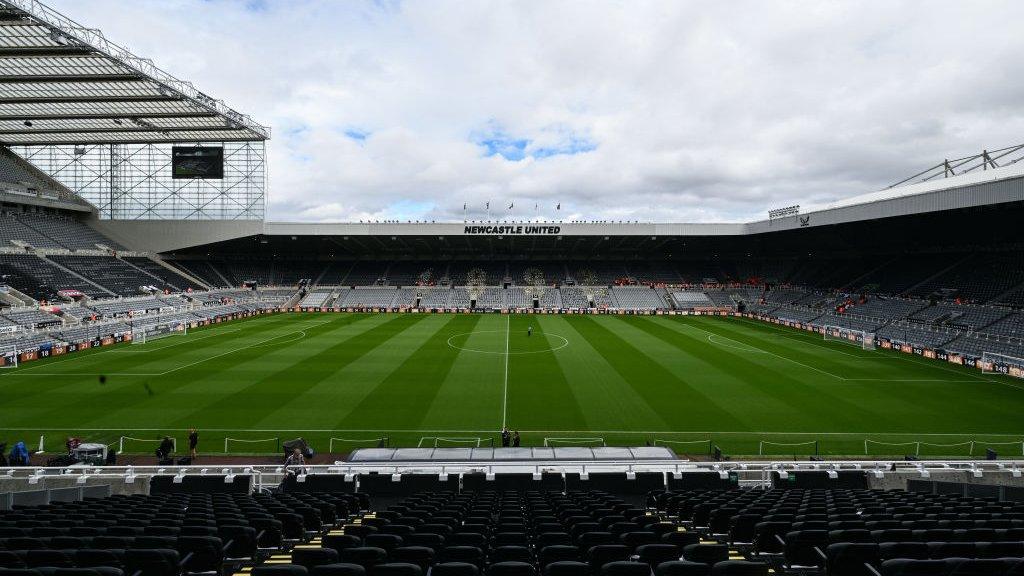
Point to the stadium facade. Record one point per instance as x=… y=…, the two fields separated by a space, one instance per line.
x=133 y=204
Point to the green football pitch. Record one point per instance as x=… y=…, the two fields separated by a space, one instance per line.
x=454 y=380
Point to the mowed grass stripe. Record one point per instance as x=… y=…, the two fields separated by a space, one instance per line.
x=607 y=400
x=282 y=369
x=409 y=390
x=720 y=383
x=81 y=399
x=219 y=372
x=471 y=393
x=537 y=383
x=891 y=393
x=338 y=392
x=814 y=406
x=246 y=406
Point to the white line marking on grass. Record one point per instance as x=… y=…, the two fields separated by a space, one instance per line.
x=826 y=372
x=912 y=358
x=256 y=345
x=744 y=348
x=130 y=350
x=565 y=342
x=504 y=401
x=411 y=431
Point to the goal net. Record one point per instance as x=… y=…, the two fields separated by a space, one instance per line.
x=865 y=340
x=144 y=334
x=10 y=357
x=989 y=361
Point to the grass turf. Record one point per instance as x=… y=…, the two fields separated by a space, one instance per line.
x=627 y=380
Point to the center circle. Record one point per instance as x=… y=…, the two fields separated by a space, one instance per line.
x=458 y=341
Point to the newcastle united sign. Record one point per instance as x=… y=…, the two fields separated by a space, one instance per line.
x=512 y=229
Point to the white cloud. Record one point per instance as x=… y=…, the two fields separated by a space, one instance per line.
x=689 y=111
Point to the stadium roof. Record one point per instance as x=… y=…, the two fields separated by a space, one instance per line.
x=63 y=83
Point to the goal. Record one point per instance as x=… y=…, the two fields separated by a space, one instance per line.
x=152 y=332
x=990 y=360
x=10 y=356
x=865 y=340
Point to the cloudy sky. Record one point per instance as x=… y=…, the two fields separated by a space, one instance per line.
x=651 y=111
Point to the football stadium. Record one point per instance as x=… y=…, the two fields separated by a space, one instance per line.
x=190 y=385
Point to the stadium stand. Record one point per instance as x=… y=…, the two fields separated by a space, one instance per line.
x=436 y=298
x=906 y=332
x=316 y=299
x=112 y=273
x=41 y=279
x=369 y=297
x=204 y=270
x=167 y=276
x=639 y=297
x=688 y=299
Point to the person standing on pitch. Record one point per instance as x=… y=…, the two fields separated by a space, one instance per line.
x=529 y=331
x=505 y=438
x=193 y=442
x=515 y=439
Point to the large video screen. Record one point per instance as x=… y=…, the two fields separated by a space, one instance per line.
x=197 y=162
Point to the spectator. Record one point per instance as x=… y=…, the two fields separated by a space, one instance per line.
x=193 y=442
x=295 y=463
x=166 y=448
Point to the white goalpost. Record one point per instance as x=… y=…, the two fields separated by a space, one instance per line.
x=10 y=356
x=865 y=340
x=989 y=360
x=144 y=334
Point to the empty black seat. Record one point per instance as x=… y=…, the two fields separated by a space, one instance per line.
x=511 y=569
x=682 y=568
x=279 y=570
x=365 y=556
x=566 y=568
x=455 y=569
x=396 y=569
x=739 y=568
x=654 y=554
x=338 y=569
x=706 y=553
x=625 y=568
x=312 y=557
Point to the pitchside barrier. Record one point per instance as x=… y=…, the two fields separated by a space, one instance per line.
x=682 y=446
x=969 y=448
x=129 y=445
x=568 y=442
x=349 y=444
x=269 y=445
x=460 y=442
x=811 y=445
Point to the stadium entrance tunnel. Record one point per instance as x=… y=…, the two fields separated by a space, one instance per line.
x=500 y=342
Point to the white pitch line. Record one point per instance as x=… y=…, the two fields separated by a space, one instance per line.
x=826 y=372
x=256 y=345
x=504 y=400
x=710 y=432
